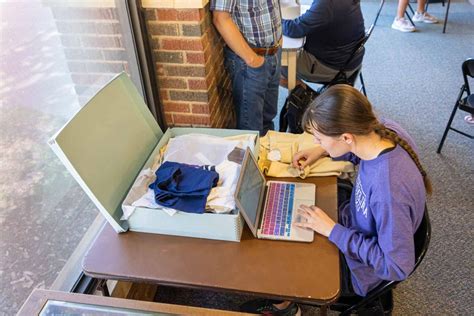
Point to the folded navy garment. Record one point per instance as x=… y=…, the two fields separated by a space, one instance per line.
x=184 y=187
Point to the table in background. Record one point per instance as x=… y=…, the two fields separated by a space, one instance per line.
x=290 y=48
x=303 y=272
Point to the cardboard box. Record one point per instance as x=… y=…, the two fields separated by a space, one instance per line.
x=110 y=140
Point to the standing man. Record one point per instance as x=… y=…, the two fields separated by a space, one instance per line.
x=252 y=32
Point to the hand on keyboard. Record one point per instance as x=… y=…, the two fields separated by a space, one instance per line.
x=316 y=219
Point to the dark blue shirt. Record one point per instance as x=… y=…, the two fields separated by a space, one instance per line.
x=183 y=187
x=333 y=29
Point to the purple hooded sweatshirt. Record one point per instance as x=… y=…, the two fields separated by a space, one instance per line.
x=377 y=226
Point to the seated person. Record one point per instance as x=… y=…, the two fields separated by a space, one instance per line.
x=377 y=223
x=333 y=30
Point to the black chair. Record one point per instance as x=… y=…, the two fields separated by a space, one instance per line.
x=446 y=14
x=341 y=75
x=426 y=9
x=383 y=292
x=465 y=104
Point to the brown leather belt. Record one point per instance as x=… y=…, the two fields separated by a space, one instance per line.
x=263 y=51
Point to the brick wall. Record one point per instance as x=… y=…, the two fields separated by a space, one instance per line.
x=93 y=46
x=187 y=51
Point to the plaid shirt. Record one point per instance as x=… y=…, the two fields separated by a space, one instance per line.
x=259 y=21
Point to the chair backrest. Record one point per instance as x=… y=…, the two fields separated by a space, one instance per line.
x=340 y=77
x=422 y=239
x=468 y=71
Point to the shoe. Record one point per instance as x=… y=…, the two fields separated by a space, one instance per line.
x=469 y=119
x=403 y=25
x=266 y=307
x=424 y=17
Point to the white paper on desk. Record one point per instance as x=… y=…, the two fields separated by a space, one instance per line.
x=197 y=149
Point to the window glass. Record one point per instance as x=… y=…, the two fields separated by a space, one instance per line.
x=54 y=56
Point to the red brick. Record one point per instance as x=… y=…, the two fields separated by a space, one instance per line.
x=168 y=119
x=201 y=120
x=181 y=95
x=167 y=15
x=160 y=70
x=181 y=44
x=176 y=107
x=181 y=71
x=197 y=84
x=182 y=119
x=167 y=29
x=196 y=58
x=164 y=94
x=172 y=83
x=150 y=14
x=190 y=15
x=200 y=109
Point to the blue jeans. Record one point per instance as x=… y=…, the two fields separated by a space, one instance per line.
x=254 y=91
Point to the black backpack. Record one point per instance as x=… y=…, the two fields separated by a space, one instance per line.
x=295 y=105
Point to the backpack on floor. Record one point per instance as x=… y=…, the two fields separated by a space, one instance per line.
x=295 y=105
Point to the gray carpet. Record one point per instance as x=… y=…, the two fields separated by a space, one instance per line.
x=414 y=79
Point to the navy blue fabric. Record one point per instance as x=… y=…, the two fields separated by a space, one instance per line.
x=183 y=187
x=333 y=29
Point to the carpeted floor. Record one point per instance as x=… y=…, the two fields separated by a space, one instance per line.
x=414 y=79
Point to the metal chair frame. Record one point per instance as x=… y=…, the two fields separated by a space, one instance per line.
x=426 y=9
x=461 y=103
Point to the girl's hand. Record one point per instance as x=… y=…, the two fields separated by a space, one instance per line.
x=314 y=218
x=307 y=157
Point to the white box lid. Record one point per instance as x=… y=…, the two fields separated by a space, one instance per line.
x=106 y=143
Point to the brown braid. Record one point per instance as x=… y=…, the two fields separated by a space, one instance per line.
x=387 y=133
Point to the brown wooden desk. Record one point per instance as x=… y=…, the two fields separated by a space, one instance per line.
x=302 y=272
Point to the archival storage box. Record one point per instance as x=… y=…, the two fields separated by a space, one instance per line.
x=110 y=140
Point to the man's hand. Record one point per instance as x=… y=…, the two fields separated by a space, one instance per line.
x=235 y=40
x=316 y=219
x=256 y=61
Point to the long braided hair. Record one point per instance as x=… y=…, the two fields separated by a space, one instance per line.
x=343 y=109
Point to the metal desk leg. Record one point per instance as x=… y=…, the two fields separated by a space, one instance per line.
x=102 y=286
x=446 y=16
x=323 y=310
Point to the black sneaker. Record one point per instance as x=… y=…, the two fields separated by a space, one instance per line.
x=266 y=307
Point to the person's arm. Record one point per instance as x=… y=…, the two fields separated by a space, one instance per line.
x=392 y=252
x=234 y=39
x=315 y=18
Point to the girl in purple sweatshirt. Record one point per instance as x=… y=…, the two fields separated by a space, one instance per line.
x=376 y=227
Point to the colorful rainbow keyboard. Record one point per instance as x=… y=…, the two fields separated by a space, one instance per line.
x=278 y=209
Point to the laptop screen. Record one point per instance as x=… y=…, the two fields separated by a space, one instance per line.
x=250 y=189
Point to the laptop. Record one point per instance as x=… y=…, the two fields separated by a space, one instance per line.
x=270 y=207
